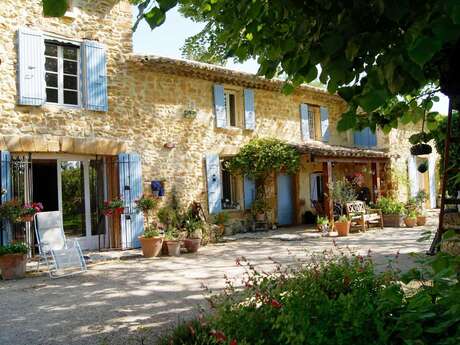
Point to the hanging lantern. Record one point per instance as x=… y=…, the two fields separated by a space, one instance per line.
x=421 y=149
x=423 y=167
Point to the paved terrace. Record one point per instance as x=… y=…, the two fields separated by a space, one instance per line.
x=108 y=304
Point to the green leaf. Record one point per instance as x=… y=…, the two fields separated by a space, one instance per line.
x=351 y=50
x=166 y=5
x=54 y=8
x=455 y=14
x=423 y=49
x=372 y=99
x=346 y=93
x=347 y=121
x=155 y=17
x=311 y=75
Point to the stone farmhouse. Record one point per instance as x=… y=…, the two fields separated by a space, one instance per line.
x=84 y=120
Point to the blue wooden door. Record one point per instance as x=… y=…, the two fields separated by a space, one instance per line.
x=285 y=200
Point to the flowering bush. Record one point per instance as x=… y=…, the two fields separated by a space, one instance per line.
x=114 y=206
x=31 y=209
x=337 y=300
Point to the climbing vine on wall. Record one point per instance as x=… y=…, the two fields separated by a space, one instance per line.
x=260 y=157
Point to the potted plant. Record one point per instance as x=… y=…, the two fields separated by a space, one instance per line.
x=392 y=211
x=194 y=231
x=221 y=220
x=342 y=225
x=13 y=259
x=29 y=210
x=169 y=219
x=322 y=224
x=258 y=210
x=421 y=218
x=341 y=192
x=411 y=218
x=11 y=210
x=113 y=207
x=172 y=241
x=151 y=241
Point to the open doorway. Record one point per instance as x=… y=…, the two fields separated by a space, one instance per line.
x=45 y=183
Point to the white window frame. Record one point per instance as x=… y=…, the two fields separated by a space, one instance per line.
x=227 y=94
x=60 y=74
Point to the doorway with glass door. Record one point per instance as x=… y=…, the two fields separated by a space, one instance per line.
x=73 y=185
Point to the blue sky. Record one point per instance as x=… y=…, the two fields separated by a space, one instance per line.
x=168 y=38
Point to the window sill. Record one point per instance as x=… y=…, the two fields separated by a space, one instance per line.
x=230 y=129
x=55 y=106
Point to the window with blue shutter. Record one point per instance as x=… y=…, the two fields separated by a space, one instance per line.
x=94 y=76
x=31 y=67
x=304 y=122
x=6 y=186
x=249 y=187
x=219 y=106
x=324 y=113
x=214 y=183
x=132 y=221
x=249 y=113
x=365 y=138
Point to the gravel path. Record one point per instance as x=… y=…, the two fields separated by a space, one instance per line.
x=108 y=304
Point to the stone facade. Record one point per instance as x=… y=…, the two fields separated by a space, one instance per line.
x=147 y=103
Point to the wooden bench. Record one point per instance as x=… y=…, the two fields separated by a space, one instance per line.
x=363 y=218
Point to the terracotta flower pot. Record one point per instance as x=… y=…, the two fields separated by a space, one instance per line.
x=151 y=247
x=392 y=220
x=410 y=222
x=421 y=220
x=343 y=228
x=260 y=217
x=13 y=266
x=27 y=218
x=173 y=248
x=192 y=244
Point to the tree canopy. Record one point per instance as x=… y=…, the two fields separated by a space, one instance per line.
x=385 y=58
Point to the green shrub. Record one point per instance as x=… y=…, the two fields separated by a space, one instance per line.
x=338 y=301
x=390 y=206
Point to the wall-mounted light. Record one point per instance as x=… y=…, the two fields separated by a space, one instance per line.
x=169 y=146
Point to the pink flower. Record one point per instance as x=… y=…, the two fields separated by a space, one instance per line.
x=219 y=336
x=276 y=304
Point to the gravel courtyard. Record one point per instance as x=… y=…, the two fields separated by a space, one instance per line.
x=108 y=304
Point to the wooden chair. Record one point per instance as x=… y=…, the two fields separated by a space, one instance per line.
x=363 y=218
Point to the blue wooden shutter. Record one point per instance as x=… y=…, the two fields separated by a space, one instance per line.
x=432 y=178
x=372 y=138
x=324 y=111
x=214 y=182
x=249 y=187
x=249 y=113
x=94 y=76
x=413 y=175
x=304 y=122
x=132 y=221
x=219 y=106
x=5 y=176
x=31 y=67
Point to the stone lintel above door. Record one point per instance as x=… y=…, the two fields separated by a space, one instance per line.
x=62 y=144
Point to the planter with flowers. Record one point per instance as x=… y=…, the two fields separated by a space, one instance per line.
x=411 y=218
x=11 y=210
x=342 y=225
x=151 y=240
x=113 y=207
x=392 y=211
x=30 y=210
x=194 y=229
x=13 y=259
x=172 y=241
x=322 y=224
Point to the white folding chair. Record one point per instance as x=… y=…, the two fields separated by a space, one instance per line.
x=62 y=256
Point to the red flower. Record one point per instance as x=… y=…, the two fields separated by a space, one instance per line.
x=276 y=304
x=219 y=336
x=233 y=342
